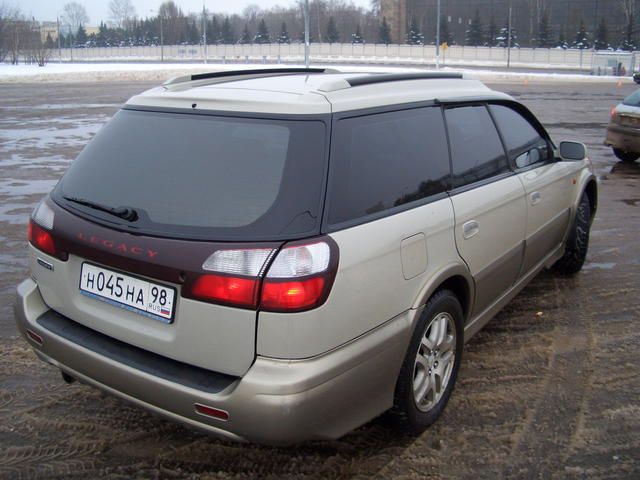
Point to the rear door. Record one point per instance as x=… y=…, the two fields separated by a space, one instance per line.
x=488 y=201
x=547 y=183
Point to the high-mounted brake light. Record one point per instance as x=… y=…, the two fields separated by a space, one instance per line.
x=39 y=232
x=299 y=277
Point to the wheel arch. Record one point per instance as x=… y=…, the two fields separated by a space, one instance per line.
x=455 y=277
x=591 y=189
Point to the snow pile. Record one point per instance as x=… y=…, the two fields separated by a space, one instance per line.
x=96 y=72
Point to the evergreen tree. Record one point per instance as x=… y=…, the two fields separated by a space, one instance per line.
x=545 y=35
x=357 y=36
x=301 y=36
x=284 y=34
x=414 y=35
x=627 y=41
x=582 y=37
x=445 y=33
x=384 y=34
x=492 y=32
x=81 y=36
x=246 y=35
x=502 y=39
x=262 y=35
x=602 y=35
x=475 y=34
x=226 y=32
x=101 y=38
x=562 y=39
x=49 y=42
x=213 y=31
x=192 y=35
x=333 y=35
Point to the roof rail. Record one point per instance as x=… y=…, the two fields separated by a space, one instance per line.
x=245 y=73
x=398 y=77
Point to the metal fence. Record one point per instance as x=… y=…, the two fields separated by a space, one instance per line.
x=569 y=59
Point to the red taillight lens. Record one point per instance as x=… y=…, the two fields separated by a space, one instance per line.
x=242 y=292
x=291 y=295
x=299 y=277
x=614 y=112
x=42 y=239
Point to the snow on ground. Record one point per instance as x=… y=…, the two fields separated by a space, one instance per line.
x=84 y=72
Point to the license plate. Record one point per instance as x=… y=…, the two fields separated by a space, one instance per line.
x=140 y=296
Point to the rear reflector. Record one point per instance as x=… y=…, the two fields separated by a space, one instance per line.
x=34 y=337
x=226 y=290
x=212 y=412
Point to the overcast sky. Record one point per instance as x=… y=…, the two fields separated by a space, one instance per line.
x=98 y=9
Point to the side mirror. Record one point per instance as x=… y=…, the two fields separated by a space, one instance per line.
x=572 y=151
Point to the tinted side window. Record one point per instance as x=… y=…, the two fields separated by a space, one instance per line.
x=524 y=143
x=386 y=160
x=476 y=149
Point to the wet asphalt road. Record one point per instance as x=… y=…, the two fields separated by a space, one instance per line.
x=549 y=389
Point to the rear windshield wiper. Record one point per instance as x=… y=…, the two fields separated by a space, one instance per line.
x=126 y=213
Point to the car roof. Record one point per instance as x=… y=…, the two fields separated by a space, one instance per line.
x=314 y=91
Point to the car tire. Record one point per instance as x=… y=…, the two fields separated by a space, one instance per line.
x=430 y=368
x=626 y=156
x=577 y=242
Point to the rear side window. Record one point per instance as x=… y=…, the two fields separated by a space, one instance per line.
x=387 y=160
x=476 y=149
x=524 y=143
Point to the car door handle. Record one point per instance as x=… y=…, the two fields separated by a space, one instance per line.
x=535 y=198
x=469 y=229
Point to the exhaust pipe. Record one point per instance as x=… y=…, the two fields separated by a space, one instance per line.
x=67 y=378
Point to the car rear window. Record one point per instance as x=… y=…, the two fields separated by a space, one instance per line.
x=632 y=100
x=204 y=176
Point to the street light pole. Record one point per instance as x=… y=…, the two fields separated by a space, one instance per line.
x=161 y=40
x=204 y=30
x=509 y=38
x=306 y=33
x=59 y=46
x=438 y=36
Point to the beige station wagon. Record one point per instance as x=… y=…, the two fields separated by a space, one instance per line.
x=283 y=255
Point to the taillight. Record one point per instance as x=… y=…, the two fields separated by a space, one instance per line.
x=614 y=113
x=299 y=277
x=232 y=277
x=236 y=291
x=287 y=296
x=39 y=231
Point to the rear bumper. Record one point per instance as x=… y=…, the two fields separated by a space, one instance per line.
x=275 y=402
x=624 y=138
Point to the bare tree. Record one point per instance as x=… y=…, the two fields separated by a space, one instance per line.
x=8 y=15
x=121 y=12
x=174 y=20
x=74 y=15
